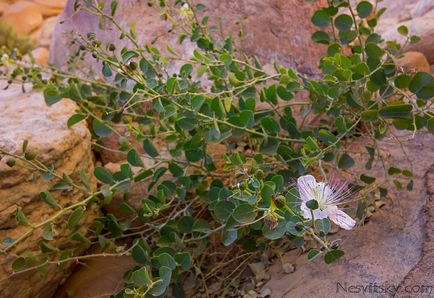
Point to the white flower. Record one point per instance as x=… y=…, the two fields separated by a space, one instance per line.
x=328 y=197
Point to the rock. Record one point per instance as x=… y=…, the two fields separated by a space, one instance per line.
x=47 y=30
x=288 y=268
x=23 y=16
x=3 y=7
x=26 y=117
x=273 y=30
x=421 y=8
x=413 y=62
x=60 y=4
x=402 y=231
x=49 y=11
x=265 y=293
x=420 y=26
x=86 y=281
x=40 y=55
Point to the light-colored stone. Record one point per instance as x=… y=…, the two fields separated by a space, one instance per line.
x=52 y=3
x=422 y=7
x=40 y=55
x=47 y=31
x=3 y=7
x=393 y=248
x=413 y=62
x=273 y=30
x=422 y=26
x=49 y=11
x=24 y=17
x=27 y=117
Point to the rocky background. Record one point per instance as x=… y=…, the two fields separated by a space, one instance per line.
x=395 y=246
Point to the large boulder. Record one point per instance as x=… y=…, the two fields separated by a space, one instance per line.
x=25 y=116
x=273 y=30
x=24 y=17
x=395 y=248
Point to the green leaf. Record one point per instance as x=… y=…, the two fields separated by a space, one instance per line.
x=166 y=260
x=149 y=148
x=103 y=175
x=333 y=255
x=345 y=162
x=106 y=70
x=367 y=179
x=20 y=217
x=403 y=30
x=364 y=9
x=321 y=18
x=229 y=237
x=430 y=125
x=312 y=254
x=141 y=277
x=48 y=199
x=321 y=37
x=396 y=111
x=19 y=264
x=201 y=226
x=403 y=81
x=139 y=254
x=171 y=85
x=343 y=22
x=74 y=119
x=51 y=95
x=370 y=115
x=223 y=210
x=134 y=159
x=270 y=125
x=422 y=85
x=75 y=217
x=47 y=232
x=275 y=233
x=47 y=248
x=394 y=171
x=101 y=129
x=244 y=213
x=374 y=51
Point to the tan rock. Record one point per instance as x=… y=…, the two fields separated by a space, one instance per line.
x=47 y=30
x=273 y=30
x=421 y=26
x=3 y=7
x=49 y=11
x=413 y=62
x=26 y=117
x=24 y=17
x=52 y=3
x=422 y=7
x=87 y=282
x=40 y=55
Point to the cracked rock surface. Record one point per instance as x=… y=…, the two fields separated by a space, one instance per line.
x=395 y=248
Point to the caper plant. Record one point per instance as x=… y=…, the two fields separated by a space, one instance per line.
x=265 y=190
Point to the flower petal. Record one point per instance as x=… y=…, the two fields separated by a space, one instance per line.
x=340 y=218
x=325 y=193
x=306 y=187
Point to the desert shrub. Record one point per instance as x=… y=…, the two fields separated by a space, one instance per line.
x=264 y=191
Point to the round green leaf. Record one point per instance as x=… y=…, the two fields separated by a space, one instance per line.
x=333 y=255
x=244 y=213
x=344 y=22
x=321 y=37
x=364 y=9
x=422 y=85
x=223 y=210
x=103 y=175
x=345 y=162
x=321 y=18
